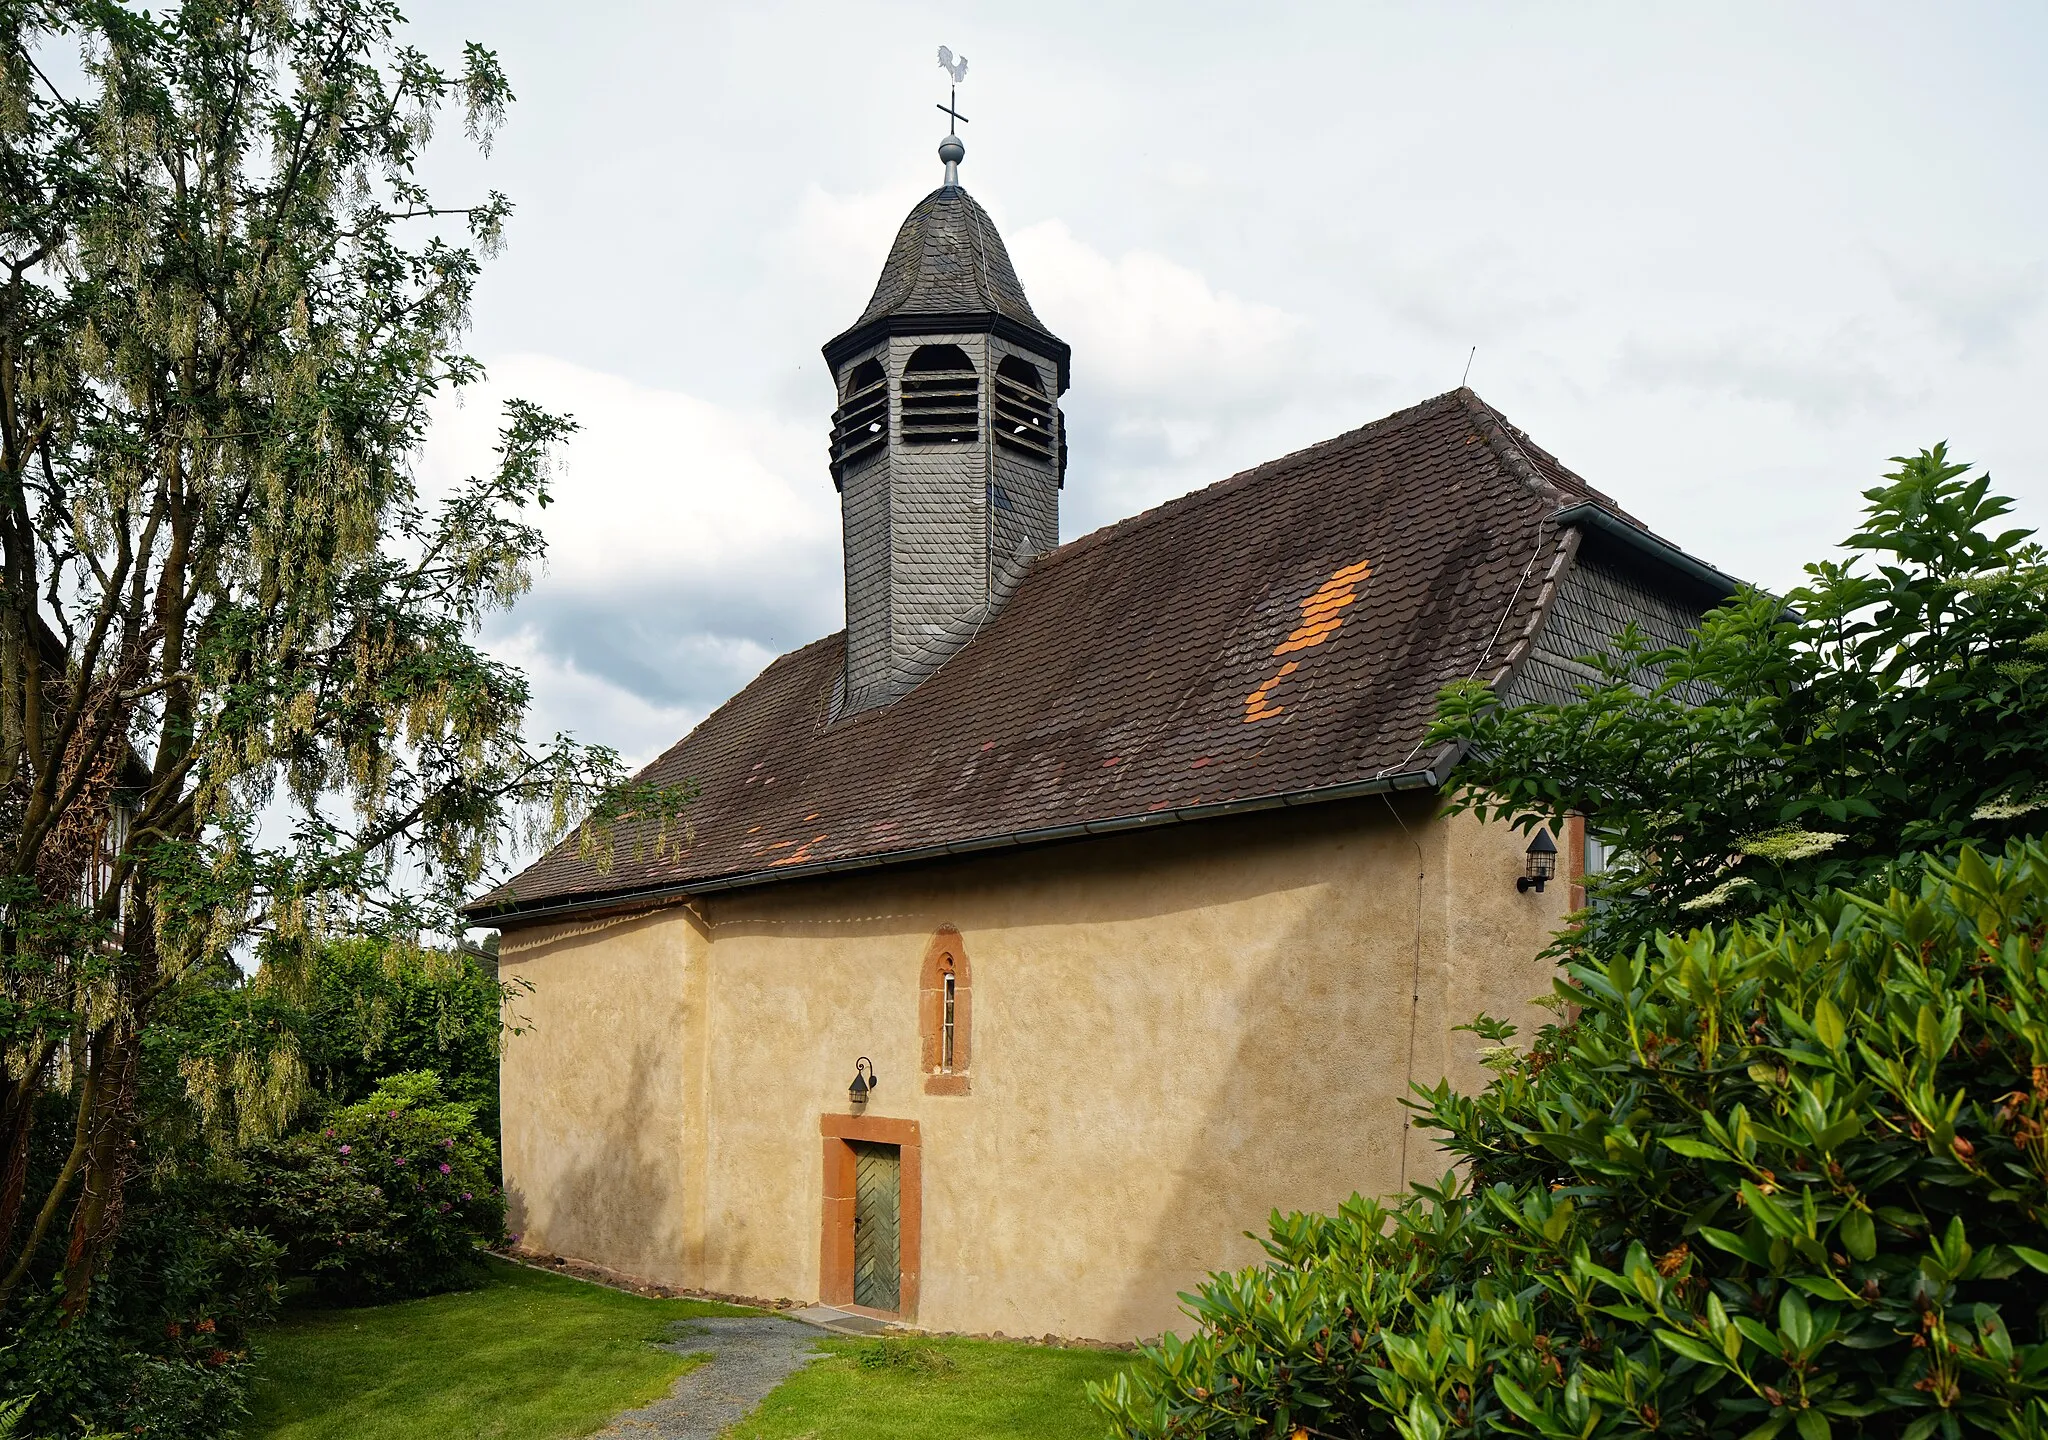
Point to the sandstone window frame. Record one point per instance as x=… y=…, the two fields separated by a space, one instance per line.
x=945 y=1014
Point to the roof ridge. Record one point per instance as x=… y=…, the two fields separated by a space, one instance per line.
x=984 y=283
x=1102 y=534
x=1499 y=434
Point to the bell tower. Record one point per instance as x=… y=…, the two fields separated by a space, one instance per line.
x=948 y=448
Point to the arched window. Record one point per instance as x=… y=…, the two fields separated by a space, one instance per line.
x=860 y=426
x=945 y=1014
x=941 y=397
x=1024 y=418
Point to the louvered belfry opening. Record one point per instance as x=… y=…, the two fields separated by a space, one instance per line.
x=860 y=426
x=941 y=397
x=1025 y=420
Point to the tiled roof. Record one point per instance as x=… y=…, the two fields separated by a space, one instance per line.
x=948 y=259
x=1286 y=630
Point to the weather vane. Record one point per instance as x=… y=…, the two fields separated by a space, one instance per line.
x=950 y=149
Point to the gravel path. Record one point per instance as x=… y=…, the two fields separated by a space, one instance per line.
x=750 y=1355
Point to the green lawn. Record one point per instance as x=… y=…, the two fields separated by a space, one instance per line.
x=525 y=1356
x=936 y=1390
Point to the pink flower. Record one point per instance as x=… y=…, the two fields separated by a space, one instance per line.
x=400 y=1160
x=344 y=1149
x=465 y=1195
x=447 y=1144
x=444 y=1169
x=393 y=1115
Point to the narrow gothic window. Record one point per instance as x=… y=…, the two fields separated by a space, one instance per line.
x=946 y=1058
x=945 y=1014
x=941 y=397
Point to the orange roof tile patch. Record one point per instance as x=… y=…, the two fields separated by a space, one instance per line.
x=797 y=856
x=1322 y=613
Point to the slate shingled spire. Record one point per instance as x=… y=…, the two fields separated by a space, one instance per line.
x=947 y=445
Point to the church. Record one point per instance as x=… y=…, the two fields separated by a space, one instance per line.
x=1078 y=905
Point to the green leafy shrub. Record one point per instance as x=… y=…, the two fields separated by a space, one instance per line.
x=1788 y=1175
x=392 y=1196
x=162 y=1350
x=376 y=1009
x=94 y=1369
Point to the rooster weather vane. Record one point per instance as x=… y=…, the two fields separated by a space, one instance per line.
x=958 y=70
x=950 y=149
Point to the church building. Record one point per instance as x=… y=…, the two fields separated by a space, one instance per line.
x=1079 y=905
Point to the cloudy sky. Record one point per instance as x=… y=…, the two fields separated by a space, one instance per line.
x=1723 y=260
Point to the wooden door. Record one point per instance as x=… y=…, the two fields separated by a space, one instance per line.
x=877 y=1226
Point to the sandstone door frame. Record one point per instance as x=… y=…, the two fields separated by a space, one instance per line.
x=835 y=1252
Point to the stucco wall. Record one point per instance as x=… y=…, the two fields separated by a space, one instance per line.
x=1174 y=1034
x=597 y=1077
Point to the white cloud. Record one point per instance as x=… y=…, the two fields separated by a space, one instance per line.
x=655 y=484
x=1982 y=310
x=840 y=241
x=568 y=698
x=1153 y=331
x=688 y=545
x=1826 y=380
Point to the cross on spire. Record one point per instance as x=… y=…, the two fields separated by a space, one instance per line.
x=952 y=100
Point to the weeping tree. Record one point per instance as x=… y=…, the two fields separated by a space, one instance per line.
x=240 y=702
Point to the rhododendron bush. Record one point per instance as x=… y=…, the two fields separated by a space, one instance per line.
x=393 y=1196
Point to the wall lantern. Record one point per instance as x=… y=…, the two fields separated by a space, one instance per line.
x=1539 y=865
x=863 y=1081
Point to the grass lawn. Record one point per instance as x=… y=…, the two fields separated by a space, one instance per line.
x=525 y=1356
x=920 y=1389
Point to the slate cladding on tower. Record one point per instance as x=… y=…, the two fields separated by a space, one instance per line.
x=947 y=448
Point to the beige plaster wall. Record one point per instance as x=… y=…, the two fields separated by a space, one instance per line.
x=596 y=1082
x=1174 y=1034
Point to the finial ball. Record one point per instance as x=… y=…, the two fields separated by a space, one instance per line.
x=951 y=150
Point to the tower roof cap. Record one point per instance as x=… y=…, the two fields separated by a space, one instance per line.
x=948 y=270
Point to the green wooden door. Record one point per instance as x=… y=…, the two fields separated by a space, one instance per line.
x=877 y=1226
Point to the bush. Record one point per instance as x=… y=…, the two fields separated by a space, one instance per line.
x=375 y=1009
x=162 y=1349
x=93 y=1372
x=391 y=1197
x=1787 y=1175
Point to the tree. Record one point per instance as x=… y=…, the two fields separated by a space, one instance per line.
x=226 y=303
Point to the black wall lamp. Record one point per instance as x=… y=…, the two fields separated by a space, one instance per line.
x=863 y=1081
x=1539 y=864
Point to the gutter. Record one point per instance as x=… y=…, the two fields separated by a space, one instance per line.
x=1587 y=515
x=1427 y=779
